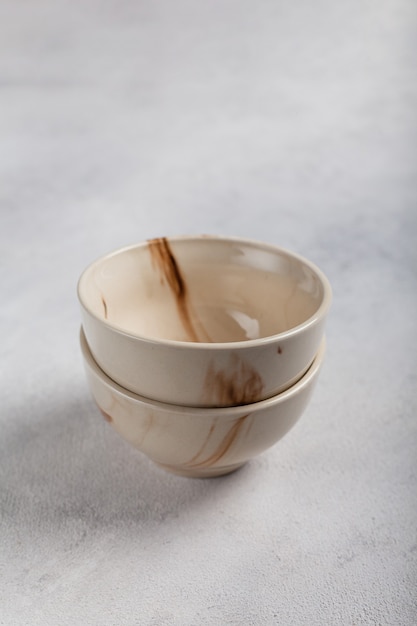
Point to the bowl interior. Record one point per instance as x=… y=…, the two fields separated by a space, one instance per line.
x=202 y=290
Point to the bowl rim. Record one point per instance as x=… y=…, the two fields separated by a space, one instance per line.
x=228 y=411
x=317 y=316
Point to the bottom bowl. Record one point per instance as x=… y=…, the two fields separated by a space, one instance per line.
x=199 y=442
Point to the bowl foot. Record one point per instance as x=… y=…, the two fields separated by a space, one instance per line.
x=207 y=472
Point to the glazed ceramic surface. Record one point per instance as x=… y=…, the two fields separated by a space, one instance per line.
x=204 y=321
x=199 y=441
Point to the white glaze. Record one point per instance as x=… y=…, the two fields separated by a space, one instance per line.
x=250 y=317
x=199 y=441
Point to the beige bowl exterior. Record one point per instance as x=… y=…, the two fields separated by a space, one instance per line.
x=199 y=442
x=165 y=294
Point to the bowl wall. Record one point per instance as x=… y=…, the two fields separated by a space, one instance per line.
x=199 y=442
x=204 y=321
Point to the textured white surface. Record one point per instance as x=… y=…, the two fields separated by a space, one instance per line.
x=290 y=122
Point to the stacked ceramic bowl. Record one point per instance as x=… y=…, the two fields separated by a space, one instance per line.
x=202 y=351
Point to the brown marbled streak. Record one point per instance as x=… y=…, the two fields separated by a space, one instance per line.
x=164 y=259
x=205 y=442
x=224 y=446
x=106 y=416
x=147 y=428
x=104 y=303
x=238 y=384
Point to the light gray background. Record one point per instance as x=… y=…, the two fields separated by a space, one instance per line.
x=292 y=122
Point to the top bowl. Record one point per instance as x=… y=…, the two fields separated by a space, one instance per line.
x=204 y=321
